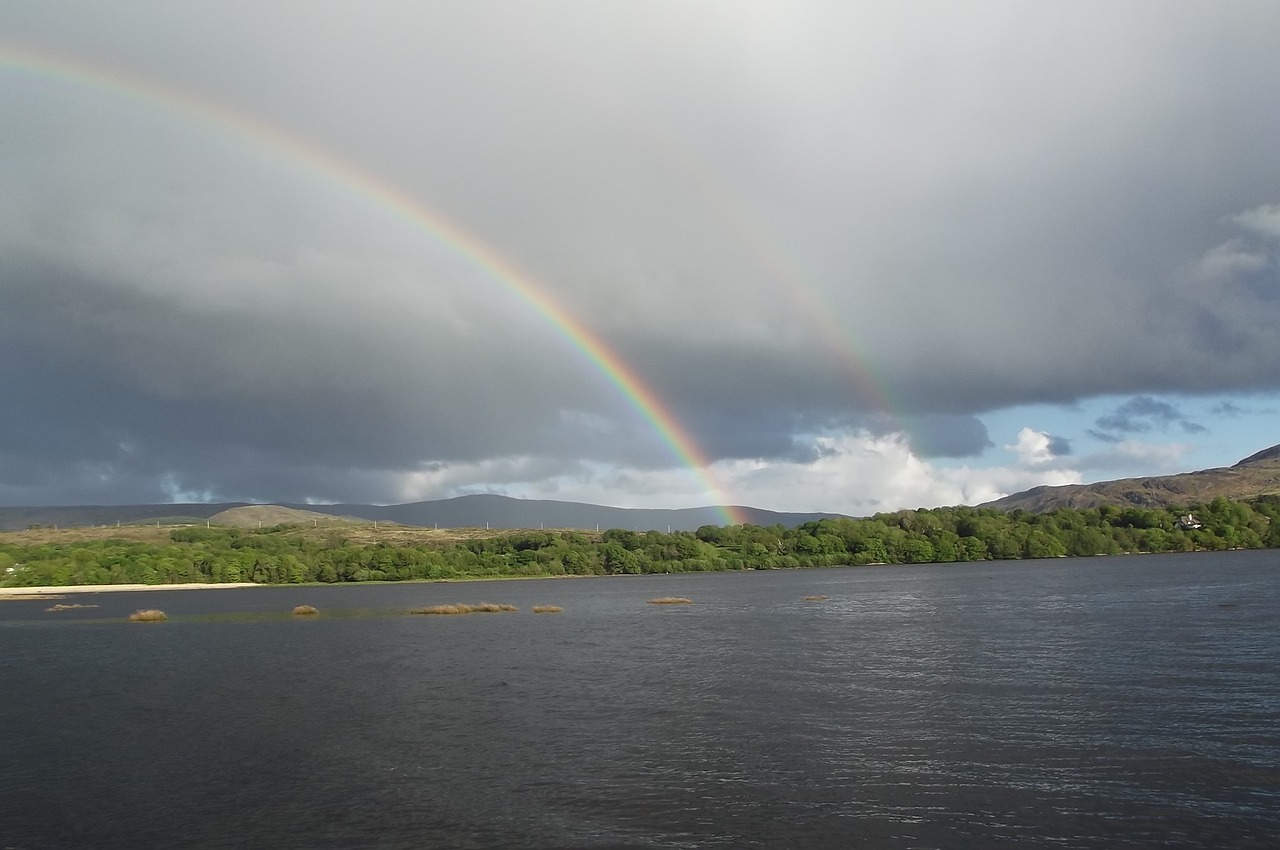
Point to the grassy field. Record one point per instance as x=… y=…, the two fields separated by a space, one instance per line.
x=37 y=536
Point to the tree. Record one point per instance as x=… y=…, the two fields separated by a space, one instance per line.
x=1042 y=545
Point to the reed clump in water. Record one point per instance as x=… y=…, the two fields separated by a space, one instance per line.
x=671 y=600
x=462 y=608
x=147 y=615
x=306 y=611
x=442 y=609
x=817 y=597
x=547 y=609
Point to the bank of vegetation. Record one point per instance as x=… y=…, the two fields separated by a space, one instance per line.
x=295 y=554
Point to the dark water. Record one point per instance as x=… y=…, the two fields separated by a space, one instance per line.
x=1104 y=702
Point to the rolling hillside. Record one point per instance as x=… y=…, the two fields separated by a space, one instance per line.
x=1256 y=475
x=256 y=516
x=504 y=512
x=478 y=511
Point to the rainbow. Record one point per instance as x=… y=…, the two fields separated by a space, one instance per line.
x=867 y=390
x=45 y=65
x=802 y=292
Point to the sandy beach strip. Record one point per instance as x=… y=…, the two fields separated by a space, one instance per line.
x=59 y=592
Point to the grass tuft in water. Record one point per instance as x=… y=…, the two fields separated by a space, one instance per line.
x=671 y=600
x=547 y=609
x=817 y=597
x=462 y=608
x=306 y=611
x=147 y=615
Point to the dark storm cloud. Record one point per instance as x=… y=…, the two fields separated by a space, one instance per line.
x=115 y=394
x=786 y=218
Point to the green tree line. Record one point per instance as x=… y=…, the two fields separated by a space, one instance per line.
x=289 y=554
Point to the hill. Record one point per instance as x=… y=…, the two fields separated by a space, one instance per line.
x=493 y=511
x=1256 y=475
x=478 y=511
x=79 y=516
x=258 y=516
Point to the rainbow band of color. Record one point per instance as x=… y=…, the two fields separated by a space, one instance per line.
x=303 y=154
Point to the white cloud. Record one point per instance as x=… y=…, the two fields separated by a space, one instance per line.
x=501 y=475
x=1034 y=449
x=1231 y=258
x=1264 y=220
x=853 y=473
x=1134 y=457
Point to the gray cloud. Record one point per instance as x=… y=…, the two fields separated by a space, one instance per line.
x=800 y=219
x=936 y=435
x=1140 y=415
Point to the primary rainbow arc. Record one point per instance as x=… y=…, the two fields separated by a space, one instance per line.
x=638 y=394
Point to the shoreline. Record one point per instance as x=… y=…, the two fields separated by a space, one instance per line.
x=57 y=592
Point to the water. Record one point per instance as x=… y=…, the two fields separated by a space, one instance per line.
x=1084 y=703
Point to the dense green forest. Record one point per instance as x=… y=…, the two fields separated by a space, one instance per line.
x=290 y=554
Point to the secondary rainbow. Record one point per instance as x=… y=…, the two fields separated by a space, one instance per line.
x=46 y=65
x=799 y=289
x=869 y=392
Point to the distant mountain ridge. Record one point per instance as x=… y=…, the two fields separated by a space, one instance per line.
x=1256 y=475
x=474 y=511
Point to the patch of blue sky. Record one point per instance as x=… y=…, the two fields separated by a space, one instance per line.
x=1116 y=436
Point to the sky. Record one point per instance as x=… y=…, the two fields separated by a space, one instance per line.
x=803 y=256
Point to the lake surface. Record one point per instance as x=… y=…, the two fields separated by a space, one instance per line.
x=1082 y=703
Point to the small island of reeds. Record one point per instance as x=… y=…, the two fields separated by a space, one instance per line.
x=305 y=611
x=147 y=615
x=547 y=609
x=817 y=597
x=463 y=608
x=671 y=600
